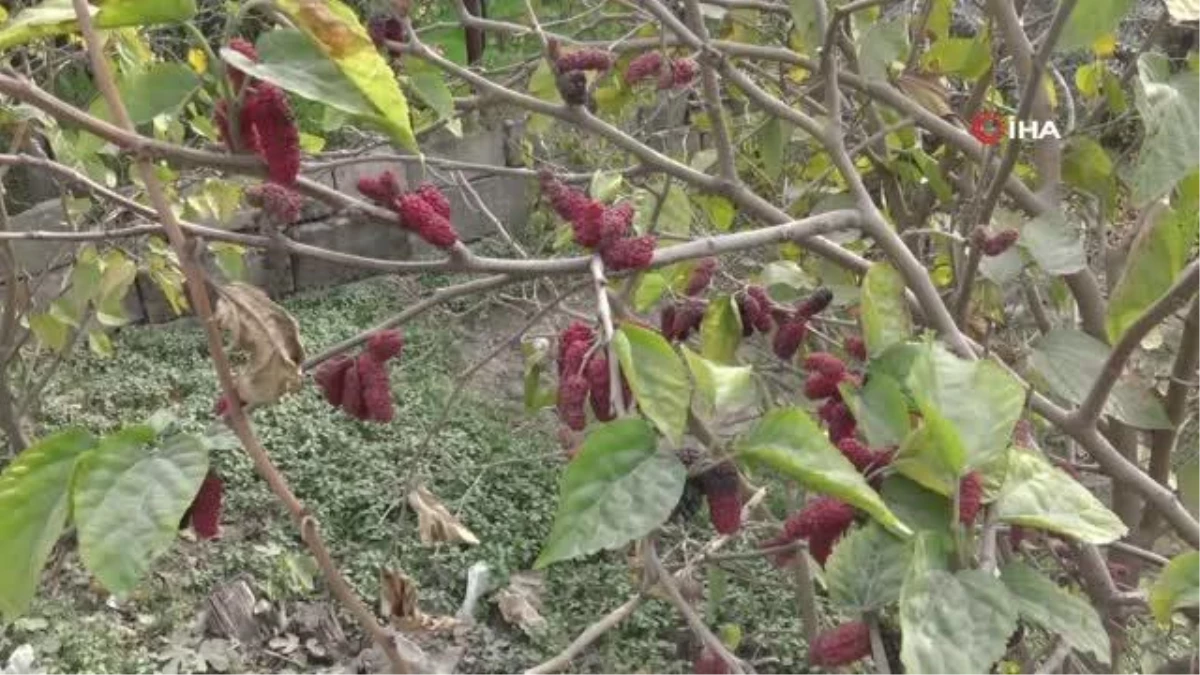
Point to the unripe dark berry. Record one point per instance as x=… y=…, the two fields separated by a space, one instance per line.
x=722 y=489
x=701 y=276
x=1000 y=242
x=815 y=303
x=572 y=86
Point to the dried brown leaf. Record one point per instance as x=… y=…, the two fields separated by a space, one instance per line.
x=268 y=335
x=926 y=90
x=399 y=602
x=435 y=524
x=520 y=602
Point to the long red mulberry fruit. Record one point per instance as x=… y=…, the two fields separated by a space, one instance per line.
x=722 y=489
x=588 y=224
x=686 y=317
x=599 y=386
x=382 y=189
x=385 y=344
x=352 y=394
x=421 y=217
x=701 y=277
x=584 y=59
x=644 y=67
x=280 y=203
x=815 y=303
x=788 y=339
x=822 y=522
x=267 y=109
x=568 y=354
x=634 y=253
x=970 y=497
x=838 y=418
x=205 y=511
x=331 y=378
x=840 y=645
x=376 y=390
x=572 y=395
x=667 y=322
x=759 y=311
x=435 y=197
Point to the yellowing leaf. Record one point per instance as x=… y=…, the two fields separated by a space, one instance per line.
x=271 y=338
x=1105 y=46
x=435 y=524
x=198 y=60
x=336 y=30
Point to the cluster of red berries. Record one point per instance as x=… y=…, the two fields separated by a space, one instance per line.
x=425 y=210
x=598 y=227
x=583 y=377
x=840 y=645
x=384 y=29
x=280 y=203
x=993 y=244
x=360 y=385
x=869 y=462
x=667 y=73
x=265 y=123
x=204 y=513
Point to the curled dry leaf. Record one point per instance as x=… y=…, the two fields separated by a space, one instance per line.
x=268 y=335
x=520 y=602
x=435 y=524
x=398 y=600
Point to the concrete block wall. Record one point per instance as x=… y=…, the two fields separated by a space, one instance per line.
x=508 y=197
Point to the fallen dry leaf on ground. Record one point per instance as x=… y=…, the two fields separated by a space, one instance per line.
x=399 y=602
x=435 y=524
x=520 y=602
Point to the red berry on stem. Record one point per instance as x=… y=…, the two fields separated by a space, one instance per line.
x=420 y=216
x=330 y=377
x=856 y=348
x=826 y=364
x=280 y=203
x=788 y=339
x=205 y=510
x=584 y=59
x=701 y=276
x=385 y=344
x=1000 y=242
x=435 y=197
x=267 y=108
x=572 y=395
x=382 y=189
x=815 y=303
x=352 y=394
x=600 y=387
x=629 y=254
x=840 y=645
x=970 y=497
x=819 y=385
x=683 y=71
x=722 y=488
x=643 y=67
x=376 y=389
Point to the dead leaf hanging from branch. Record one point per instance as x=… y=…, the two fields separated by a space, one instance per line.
x=268 y=335
x=435 y=524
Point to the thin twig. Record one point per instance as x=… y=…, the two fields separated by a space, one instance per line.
x=878 y=652
x=560 y=661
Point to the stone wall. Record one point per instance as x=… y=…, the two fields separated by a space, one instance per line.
x=282 y=273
